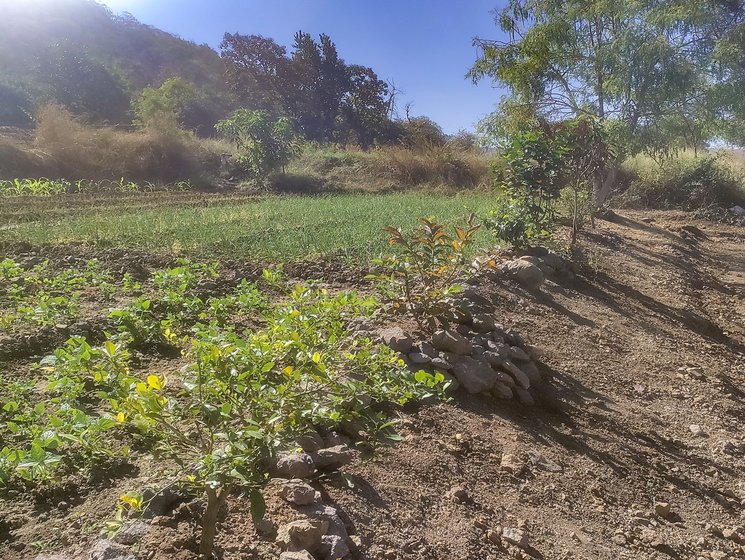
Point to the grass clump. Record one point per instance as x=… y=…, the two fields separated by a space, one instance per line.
x=682 y=182
x=390 y=168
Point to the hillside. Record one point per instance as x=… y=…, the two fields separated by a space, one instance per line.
x=78 y=53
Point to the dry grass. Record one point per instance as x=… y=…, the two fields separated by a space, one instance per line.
x=686 y=181
x=66 y=147
x=385 y=169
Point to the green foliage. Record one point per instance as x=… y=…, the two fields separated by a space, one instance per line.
x=263 y=144
x=516 y=223
x=327 y=99
x=653 y=68
x=83 y=56
x=50 y=187
x=239 y=399
x=40 y=296
x=163 y=106
x=424 y=271
x=532 y=165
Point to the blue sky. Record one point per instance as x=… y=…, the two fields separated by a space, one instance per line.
x=423 y=46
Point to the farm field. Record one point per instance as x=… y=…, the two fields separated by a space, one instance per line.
x=642 y=356
x=277 y=228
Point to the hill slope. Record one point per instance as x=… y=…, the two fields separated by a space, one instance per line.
x=78 y=53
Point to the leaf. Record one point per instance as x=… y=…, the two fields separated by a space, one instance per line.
x=258 y=505
x=155 y=382
x=316 y=358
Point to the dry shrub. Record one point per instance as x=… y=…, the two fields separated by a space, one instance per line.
x=153 y=154
x=684 y=182
x=393 y=168
x=436 y=166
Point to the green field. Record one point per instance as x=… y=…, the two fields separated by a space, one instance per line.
x=272 y=227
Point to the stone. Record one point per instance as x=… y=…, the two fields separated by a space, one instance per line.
x=662 y=509
x=294 y=465
x=733 y=535
x=450 y=341
x=515 y=536
x=333 y=547
x=527 y=273
x=397 y=339
x=419 y=358
x=457 y=494
x=333 y=457
x=544 y=463
x=511 y=463
x=553 y=260
x=517 y=353
x=737 y=210
x=524 y=397
x=161 y=500
x=106 y=550
x=297 y=555
x=494 y=358
x=502 y=391
x=131 y=533
x=335 y=438
x=312 y=441
x=328 y=513
x=514 y=338
x=474 y=376
x=620 y=540
x=531 y=370
x=520 y=377
x=442 y=364
x=303 y=534
x=428 y=350
x=696 y=430
x=297 y=492
x=484 y=322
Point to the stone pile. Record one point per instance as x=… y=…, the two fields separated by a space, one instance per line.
x=318 y=531
x=477 y=354
x=532 y=270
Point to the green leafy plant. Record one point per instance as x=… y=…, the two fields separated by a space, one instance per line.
x=263 y=144
x=244 y=398
x=424 y=271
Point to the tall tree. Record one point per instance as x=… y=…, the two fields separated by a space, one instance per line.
x=630 y=61
x=255 y=70
x=327 y=99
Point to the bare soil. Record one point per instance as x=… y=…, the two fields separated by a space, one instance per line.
x=646 y=343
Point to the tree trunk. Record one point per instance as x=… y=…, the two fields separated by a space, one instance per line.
x=215 y=499
x=602 y=190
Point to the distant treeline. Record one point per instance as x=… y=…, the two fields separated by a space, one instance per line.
x=112 y=69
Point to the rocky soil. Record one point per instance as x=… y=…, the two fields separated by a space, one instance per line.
x=598 y=416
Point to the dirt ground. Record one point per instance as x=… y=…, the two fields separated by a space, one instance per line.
x=617 y=416
x=645 y=357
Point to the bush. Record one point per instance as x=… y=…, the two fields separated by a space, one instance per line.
x=263 y=143
x=66 y=147
x=683 y=182
x=392 y=167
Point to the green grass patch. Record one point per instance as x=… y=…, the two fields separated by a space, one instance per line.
x=270 y=228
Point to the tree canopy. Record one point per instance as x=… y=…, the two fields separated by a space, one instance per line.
x=658 y=74
x=328 y=99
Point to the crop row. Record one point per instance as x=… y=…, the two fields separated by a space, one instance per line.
x=49 y=187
